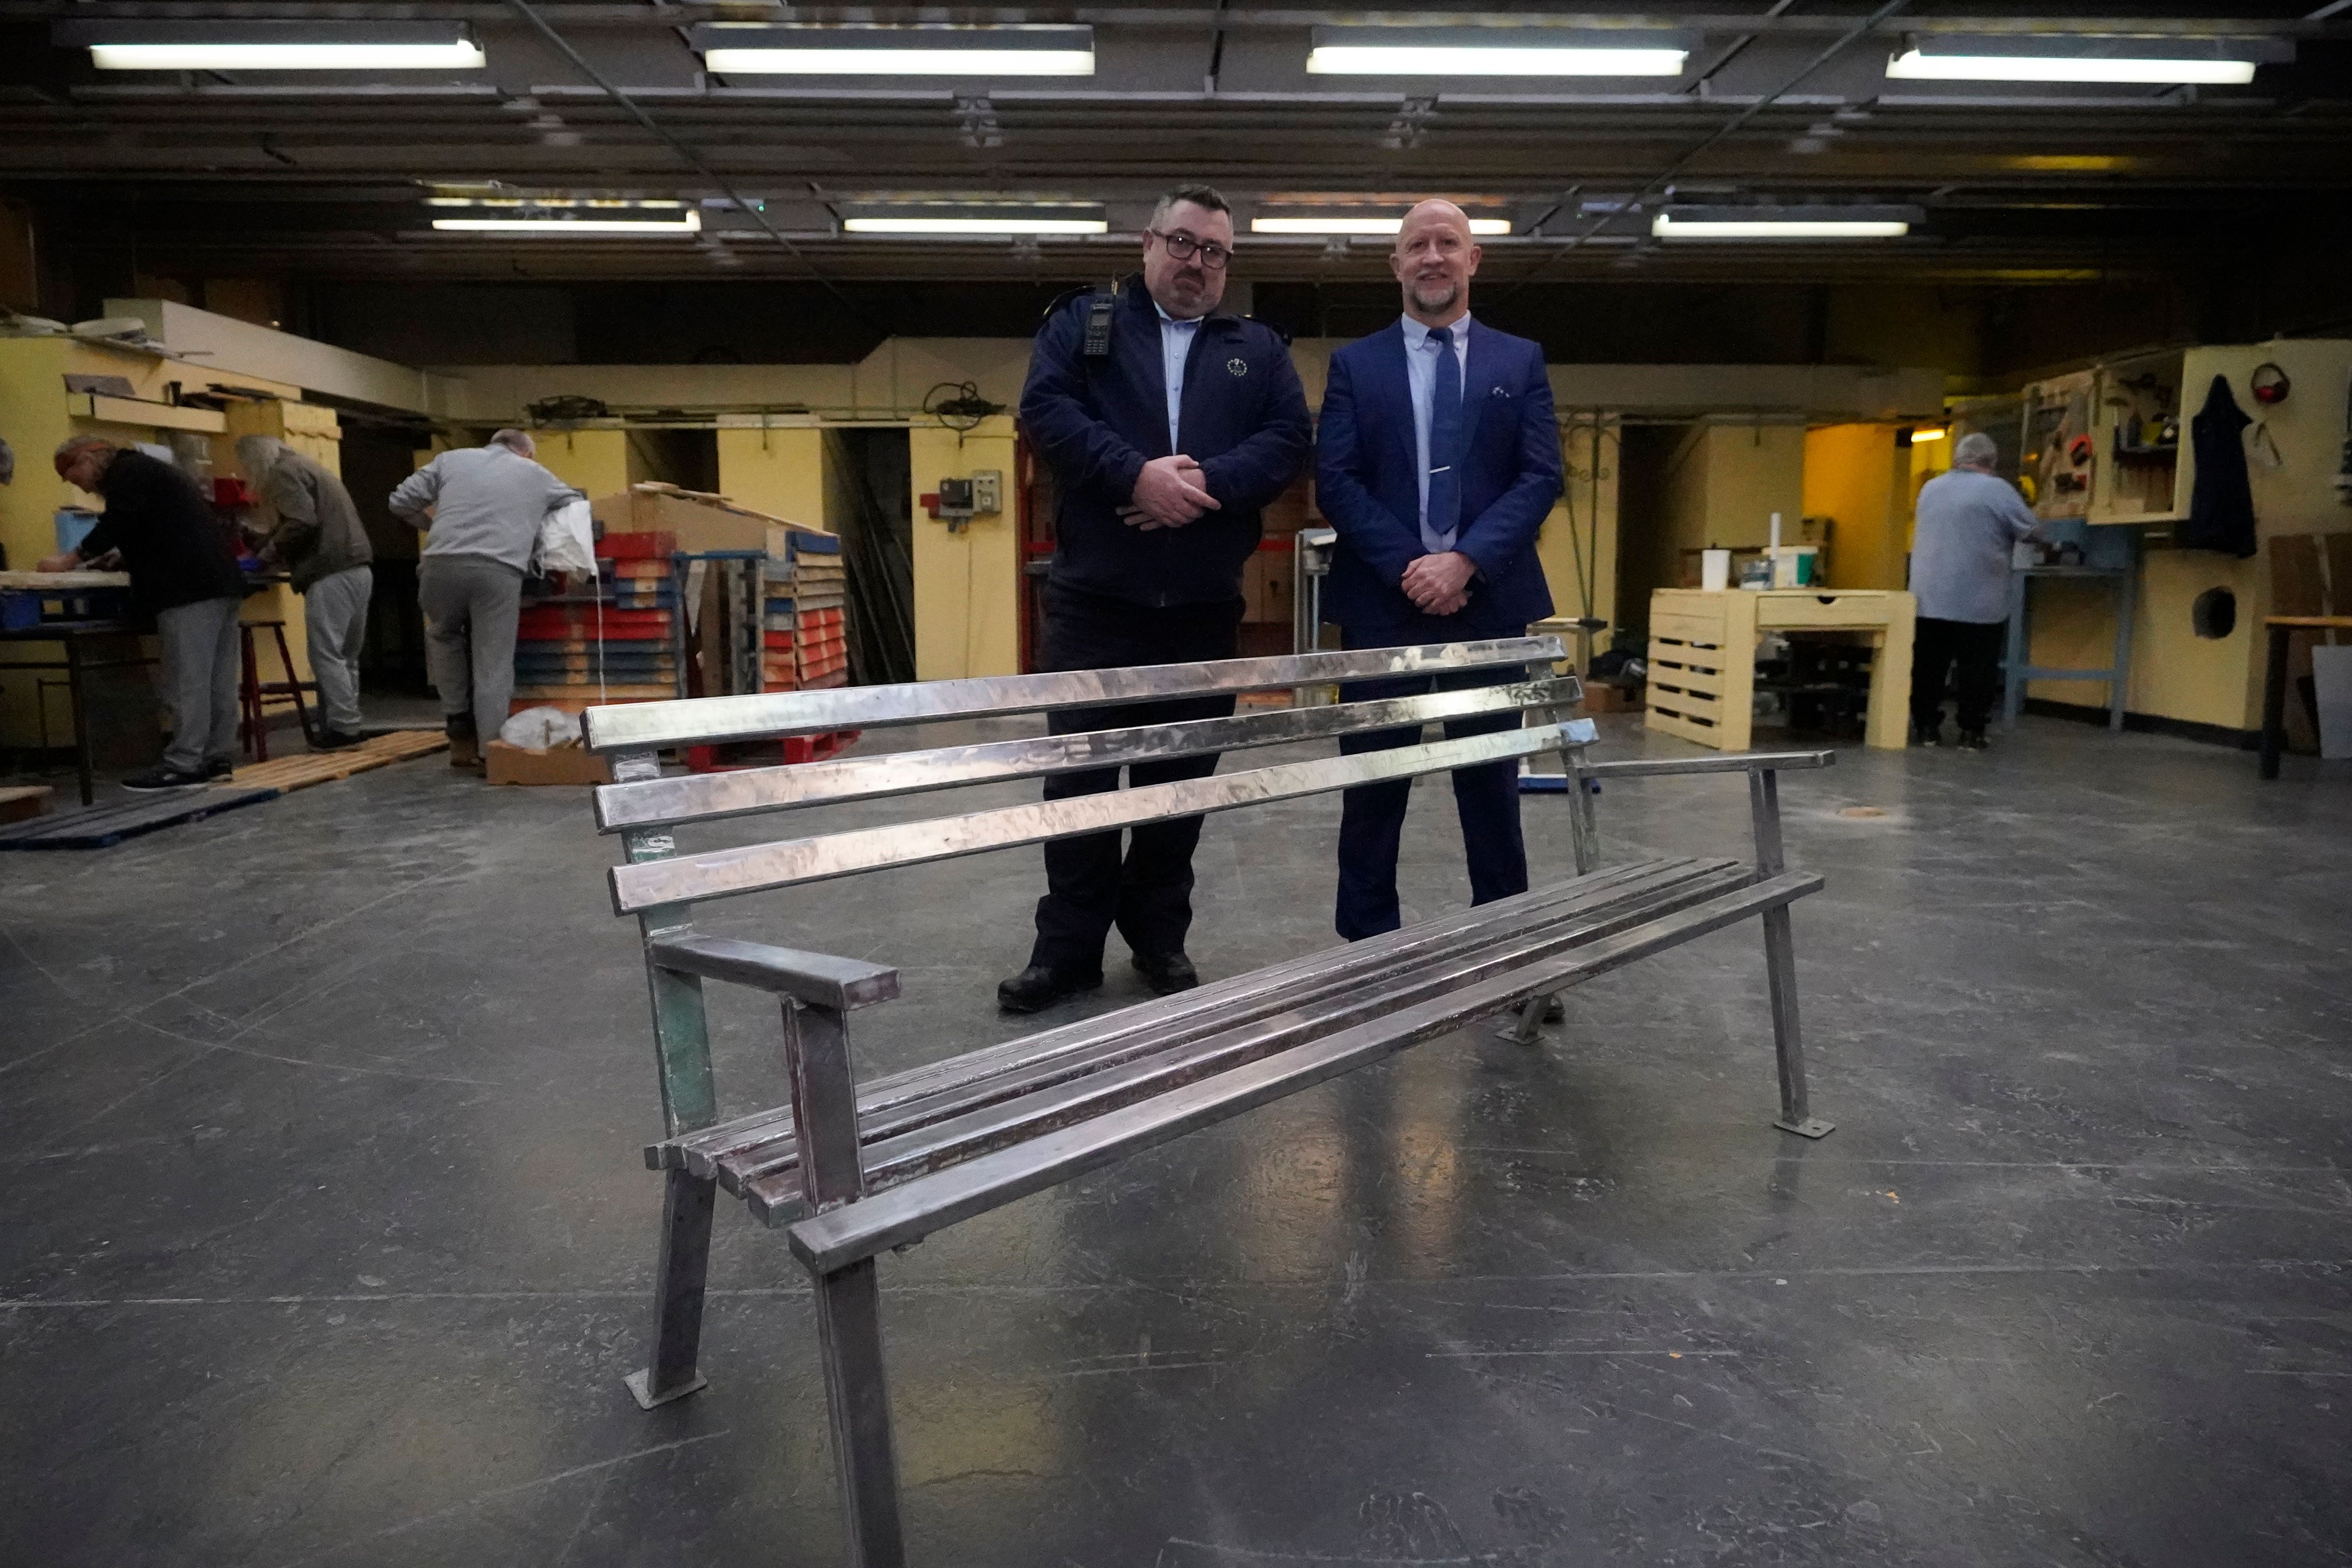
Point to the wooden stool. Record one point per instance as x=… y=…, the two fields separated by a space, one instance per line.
x=254 y=694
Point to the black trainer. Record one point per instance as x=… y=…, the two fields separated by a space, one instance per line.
x=335 y=740
x=219 y=768
x=1038 y=987
x=157 y=779
x=1168 y=972
x=1974 y=740
x=1928 y=734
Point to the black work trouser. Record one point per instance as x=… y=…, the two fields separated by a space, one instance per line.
x=1936 y=645
x=1090 y=885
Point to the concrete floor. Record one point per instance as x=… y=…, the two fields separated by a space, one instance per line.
x=328 y=1240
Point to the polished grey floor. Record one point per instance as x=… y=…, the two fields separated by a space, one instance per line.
x=327 y=1239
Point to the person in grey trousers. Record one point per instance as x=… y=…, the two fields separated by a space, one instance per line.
x=321 y=542
x=486 y=505
x=1969 y=519
x=184 y=579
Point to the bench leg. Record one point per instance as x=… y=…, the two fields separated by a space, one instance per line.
x=1788 y=1039
x=849 y=1330
x=684 y=1260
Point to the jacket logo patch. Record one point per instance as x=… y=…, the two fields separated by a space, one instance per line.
x=1237 y=367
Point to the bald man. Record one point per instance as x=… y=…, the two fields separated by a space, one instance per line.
x=1437 y=459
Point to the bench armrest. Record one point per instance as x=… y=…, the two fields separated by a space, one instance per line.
x=818 y=978
x=1727 y=763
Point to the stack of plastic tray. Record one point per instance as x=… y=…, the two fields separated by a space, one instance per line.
x=618 y=645
x=820 y=641
x=779 y=668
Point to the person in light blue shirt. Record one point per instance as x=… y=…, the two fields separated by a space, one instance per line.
x=1970 y=521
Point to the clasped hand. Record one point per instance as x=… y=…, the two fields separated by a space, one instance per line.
x=1168 y=493
x=1438 y=584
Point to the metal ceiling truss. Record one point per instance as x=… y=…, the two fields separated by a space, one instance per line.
x=283 y=174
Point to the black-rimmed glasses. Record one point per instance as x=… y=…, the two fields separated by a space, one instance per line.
x=1183 y=248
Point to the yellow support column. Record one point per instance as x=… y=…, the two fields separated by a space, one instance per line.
x=776 y=468
x=967 y=583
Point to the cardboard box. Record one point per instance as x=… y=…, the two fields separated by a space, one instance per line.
x=571 y=764
x=700 y=520
x=1605 y=696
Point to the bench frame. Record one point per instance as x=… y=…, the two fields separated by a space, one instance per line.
x=835 y=1227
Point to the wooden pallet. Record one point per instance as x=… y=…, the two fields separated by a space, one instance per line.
x=286 y=774
x=96 y=827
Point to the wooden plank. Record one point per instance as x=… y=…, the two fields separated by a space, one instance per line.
x=1669 y=721
x=288 y=773
x=99 y=827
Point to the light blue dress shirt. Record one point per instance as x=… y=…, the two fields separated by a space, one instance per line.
x=1175 y=346
x=1421 y=378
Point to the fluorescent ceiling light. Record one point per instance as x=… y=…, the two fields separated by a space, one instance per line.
x=1933 y=434
x=1786 y=223
x=1380 y=226
x=754 y=48
x=1496 y=51
x=2086 y=58
x=272 y=46
x=1018 y=223
x=565 y=227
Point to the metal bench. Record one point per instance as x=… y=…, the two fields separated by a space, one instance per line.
x=850 y=1171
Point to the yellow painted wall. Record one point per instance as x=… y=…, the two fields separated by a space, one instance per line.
x=594 y=462
x=1857 y=475
x=1725 y=482
x=967 y=584
x=778 y=470
x=34 y=418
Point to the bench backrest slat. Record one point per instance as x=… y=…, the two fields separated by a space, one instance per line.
x=705 y=797
x=647 y=726
x=759 y=867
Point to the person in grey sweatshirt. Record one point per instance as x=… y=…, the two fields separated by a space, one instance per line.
x=486 y=504
x=323 y=544
x=1968 y=520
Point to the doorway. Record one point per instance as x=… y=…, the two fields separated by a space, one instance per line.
x=869 y=498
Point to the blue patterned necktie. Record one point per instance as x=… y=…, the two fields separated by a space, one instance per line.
x=1444 y=517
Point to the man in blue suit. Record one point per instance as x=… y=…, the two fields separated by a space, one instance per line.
x=1437 y=461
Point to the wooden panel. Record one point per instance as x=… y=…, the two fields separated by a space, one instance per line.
x=286 y=773
x=1689 y=630
x=132 y=411
x=1858 y=608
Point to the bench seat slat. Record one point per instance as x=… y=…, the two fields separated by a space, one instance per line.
x=1198 y=1009
x=1010 y=1119
x=1157 y=1028
x=711 y=797
x=650 y=726
x=791 y=862
x=829 y=1241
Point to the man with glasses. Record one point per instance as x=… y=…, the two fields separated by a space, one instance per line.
x=1167 y=426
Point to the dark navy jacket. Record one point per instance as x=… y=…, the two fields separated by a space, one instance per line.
x=1368 y=483
x=1097 y=422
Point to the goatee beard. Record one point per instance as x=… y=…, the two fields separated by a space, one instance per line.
x=1443 y=302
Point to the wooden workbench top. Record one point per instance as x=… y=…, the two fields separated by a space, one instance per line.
x=64 y=581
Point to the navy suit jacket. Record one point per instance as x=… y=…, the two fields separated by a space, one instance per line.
x=1368 y=483
x=1096 y=423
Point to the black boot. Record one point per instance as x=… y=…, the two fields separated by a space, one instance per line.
x=1168 y=972
x=1974 y=740
x=464 y=742
x=1039 y=987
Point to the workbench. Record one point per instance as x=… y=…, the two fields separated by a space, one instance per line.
x=80 y=658
x=1702 y=679
x=2281 y=630
x=2015 y=668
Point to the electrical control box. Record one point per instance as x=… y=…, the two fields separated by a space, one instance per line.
x=988 y=492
